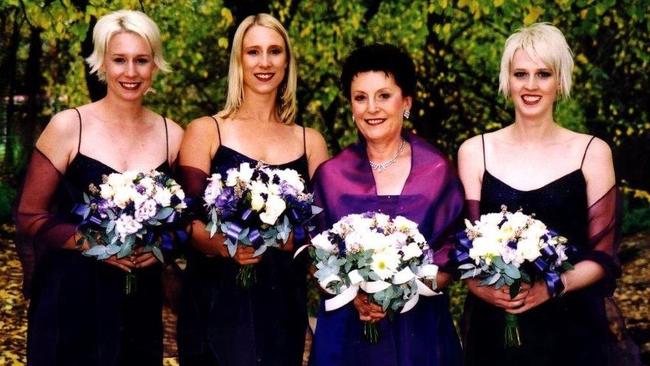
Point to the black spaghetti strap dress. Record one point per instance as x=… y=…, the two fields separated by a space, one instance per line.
x=567 y=330
x=79 y=313
x=221 y=323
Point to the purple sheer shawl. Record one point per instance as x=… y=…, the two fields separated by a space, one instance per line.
x=432 y=195
x=604 y=235
x=38 y=227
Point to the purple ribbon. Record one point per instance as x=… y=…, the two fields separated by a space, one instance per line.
x=233 y=231
x=461 y=253
x=255 y=238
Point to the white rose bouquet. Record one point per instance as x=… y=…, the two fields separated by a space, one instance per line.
x=257 y=206
x=508 y=248
x=130 y=209
x=387 y=258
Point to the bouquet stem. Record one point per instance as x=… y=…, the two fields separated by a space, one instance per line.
x=246 y=276
x=512 y=337
x=371 y=332
x=130 y=284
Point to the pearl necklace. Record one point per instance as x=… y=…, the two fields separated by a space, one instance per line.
x=380 y=167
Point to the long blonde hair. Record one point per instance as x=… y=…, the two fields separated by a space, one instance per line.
x=286 y=103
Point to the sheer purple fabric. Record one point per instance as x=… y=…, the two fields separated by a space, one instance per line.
x=40 y=228
x=433 y=198
x=604 y=234
x=432 y=195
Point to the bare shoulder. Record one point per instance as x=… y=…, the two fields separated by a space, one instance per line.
x=202 y=126
x=471 y=147
x=59 y=140
x=314 y=137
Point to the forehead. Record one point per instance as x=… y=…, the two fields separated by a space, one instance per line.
x=258 y=35
x=128 y=42
x=372 y=80
x=523 y=59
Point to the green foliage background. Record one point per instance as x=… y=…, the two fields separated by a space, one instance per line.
x=456 y=46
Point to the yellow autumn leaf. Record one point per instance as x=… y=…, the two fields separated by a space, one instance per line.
x=533 y=15
x=498 y=3
x=227 y=15
x=223 y=42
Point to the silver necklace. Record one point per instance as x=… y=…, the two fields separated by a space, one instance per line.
x=380 y=167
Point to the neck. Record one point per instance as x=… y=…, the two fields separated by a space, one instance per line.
x=380 y=151
x=258 y=107
x=126 y=112
x=534 y=129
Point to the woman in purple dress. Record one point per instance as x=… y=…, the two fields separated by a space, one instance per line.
x=395 y=173
x=79 y=313
x=219 y=322
x=567 y=180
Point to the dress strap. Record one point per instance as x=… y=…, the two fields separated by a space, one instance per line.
x=483 y=146
x=585 y=153
x=166 y=139
x=218 y=131
x=79 y=143
x=304 y=140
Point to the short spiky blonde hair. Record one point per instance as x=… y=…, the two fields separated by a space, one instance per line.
x=546 y=42
x=286 y=103
x=124 y=21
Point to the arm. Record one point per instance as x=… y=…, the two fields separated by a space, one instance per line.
x=470 y=170
x=316 y=150
x=199 y=145
x=599 y=264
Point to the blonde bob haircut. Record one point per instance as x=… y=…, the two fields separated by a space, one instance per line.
x=543 y=41
x=131 y=21
x=286 y=103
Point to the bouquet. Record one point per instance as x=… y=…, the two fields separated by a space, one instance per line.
x=127 y=210
x=508 y=248
x=386 y=258
x=259 y=207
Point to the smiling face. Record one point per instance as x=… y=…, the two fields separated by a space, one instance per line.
x=129 y=66
x=264 y=60
x=378 y=105
x=533 y=86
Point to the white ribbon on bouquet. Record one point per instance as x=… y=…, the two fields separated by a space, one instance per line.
x=371 y=287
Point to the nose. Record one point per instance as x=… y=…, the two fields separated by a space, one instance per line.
x=131 y=69
x=266 y=60
x=372 y=105
x=531 y=84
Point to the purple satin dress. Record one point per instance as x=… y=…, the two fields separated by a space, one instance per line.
x=432 y=197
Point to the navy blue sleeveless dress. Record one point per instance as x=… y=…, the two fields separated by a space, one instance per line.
x=79 y=313
x=223 y=324
x=568 y=330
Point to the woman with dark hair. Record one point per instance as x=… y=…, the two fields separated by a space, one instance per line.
x=395 y=173
x=221 y=323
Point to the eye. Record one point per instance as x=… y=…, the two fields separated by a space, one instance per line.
x=359 y=98
x=520 y=74
x=119 y=60
x=276 y=51
x=252 y=52
x=544 y=74
x=384 y=96
x=142 y=60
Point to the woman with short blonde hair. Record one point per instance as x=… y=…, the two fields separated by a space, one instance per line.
x=567 y=180
x=79 y=313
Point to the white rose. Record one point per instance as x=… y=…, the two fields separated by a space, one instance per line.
x=274 y=208
x=398 y=238
x=163 y=197
x=148 y=184
x=353 y=242
x=382 y=220
x=411 y=251
x=405 y=225
x=245 y=172
x=529 y=249
x=517 y=220
x=123 y=197
x=320 y=241
x=292 y=178
x=106 y=191
x=257 y=202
